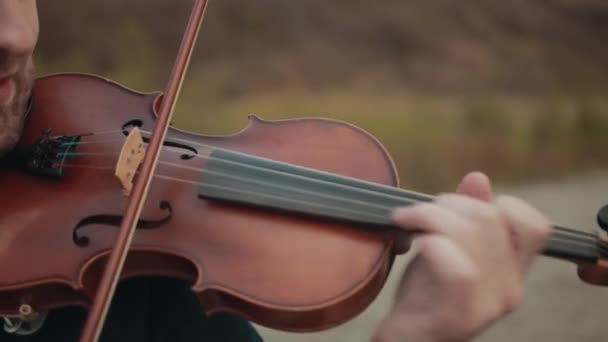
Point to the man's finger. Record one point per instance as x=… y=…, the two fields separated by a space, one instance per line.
x=528 y=227
x=476 y=185
x=483 y=213
x=429 y=218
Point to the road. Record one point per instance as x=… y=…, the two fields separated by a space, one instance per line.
x=557 y=305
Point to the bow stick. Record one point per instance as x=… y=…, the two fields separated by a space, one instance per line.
x=105 y=292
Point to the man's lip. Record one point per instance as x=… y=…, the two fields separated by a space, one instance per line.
x=7 y=75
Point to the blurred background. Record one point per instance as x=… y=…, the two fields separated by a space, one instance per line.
x=517 y=89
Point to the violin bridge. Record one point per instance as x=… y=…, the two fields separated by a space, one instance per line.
x=131 y=156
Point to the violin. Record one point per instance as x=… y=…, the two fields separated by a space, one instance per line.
x=286 y=223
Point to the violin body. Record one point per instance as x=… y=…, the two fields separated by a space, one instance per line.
x=290 y=272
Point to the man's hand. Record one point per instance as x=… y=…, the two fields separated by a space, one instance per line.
x=473 y=255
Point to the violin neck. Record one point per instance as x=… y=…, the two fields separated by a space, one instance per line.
x=572 y=245
x=246 y=179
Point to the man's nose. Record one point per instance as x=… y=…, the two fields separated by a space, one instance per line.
x=18 y=34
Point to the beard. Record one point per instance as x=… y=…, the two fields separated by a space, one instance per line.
x=12 y=114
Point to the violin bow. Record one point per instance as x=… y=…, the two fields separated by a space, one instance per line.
x=97 y=314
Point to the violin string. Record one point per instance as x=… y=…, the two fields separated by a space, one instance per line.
x=573 y=233
x=298 y=190
x=564 y=233
x=569 y=241
x=88 y=134
x=580 y=235
x=92 y=167
x=206 y=147
x=81 y=154
x=178 y=150
x=570 y=232
x=79 y=143
x=559 y=237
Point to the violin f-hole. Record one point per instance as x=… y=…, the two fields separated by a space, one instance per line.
x=191 y=151
x=115 y=220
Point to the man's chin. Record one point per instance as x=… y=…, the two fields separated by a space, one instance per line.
x=10 y=126
x=12 y=120
x=7 y=143
x=12 y=113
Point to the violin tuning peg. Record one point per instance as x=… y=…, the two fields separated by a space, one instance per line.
x=602 y=218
